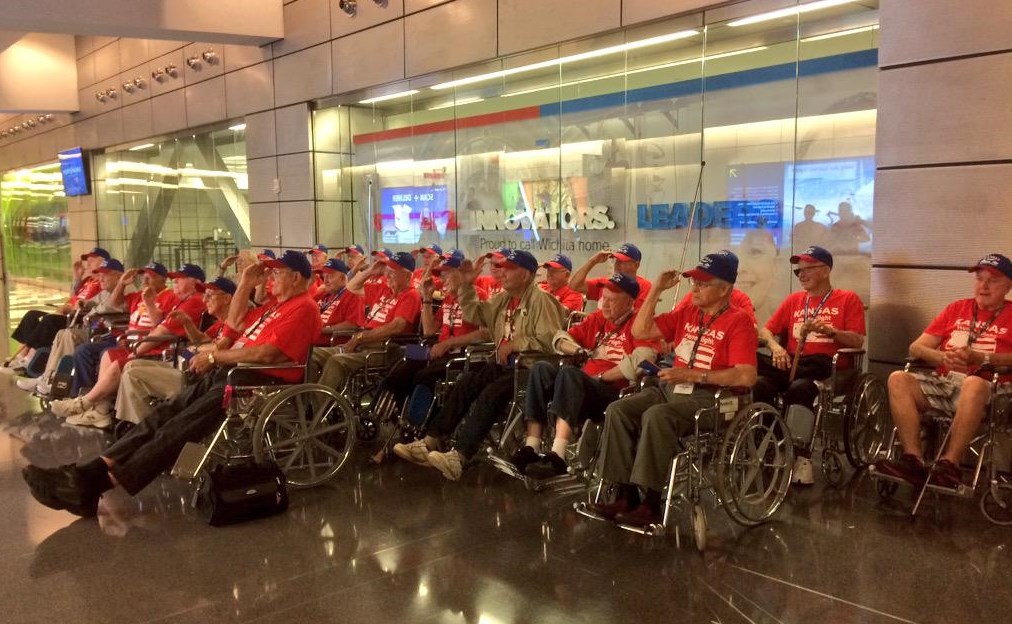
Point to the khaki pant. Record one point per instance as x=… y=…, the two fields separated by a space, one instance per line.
x=332 y=368
x=64 y=343
x=142 y=381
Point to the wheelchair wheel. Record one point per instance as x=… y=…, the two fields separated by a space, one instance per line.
x=754 y=465
x=367 y=428
x=832 y=468
x=308 y=430
x=865 y=426
x=997 y=508
x=699 y=526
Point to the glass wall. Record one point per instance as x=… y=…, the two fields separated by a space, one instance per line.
x=180 y=200
x=764 y=123
x=36 y=241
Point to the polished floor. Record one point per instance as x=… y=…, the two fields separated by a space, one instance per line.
x=397 y=543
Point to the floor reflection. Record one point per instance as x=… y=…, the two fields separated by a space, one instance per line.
x=398 y=543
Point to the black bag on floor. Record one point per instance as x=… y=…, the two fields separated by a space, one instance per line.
x=234 y=493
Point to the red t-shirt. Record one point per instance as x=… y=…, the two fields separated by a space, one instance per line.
x=315 y=285
x=569 y=298
x=348 y=307
x=489 y=284
x=416 y=279
x=192 y=306
x=729 y=339
x=292 y=326
x=88 y=288
x=608 y=344
x=451 y=317
x=738 y=300
x=139 y=317
x=955 y=325
x=385 y=306
x=843 y=310
x=596 y=285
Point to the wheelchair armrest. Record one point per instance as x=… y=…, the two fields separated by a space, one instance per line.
x=337 y=334
x=112 y=318
x=241 y=368
x=479 y=348
x=720 y=392
x=166 y=339
x=403 y=339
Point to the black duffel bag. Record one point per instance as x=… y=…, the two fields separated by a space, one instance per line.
x=233 y=493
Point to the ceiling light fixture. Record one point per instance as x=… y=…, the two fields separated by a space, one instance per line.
x=632 y=45
x=841 y=33
x=459 y=102
x=788 y=12
x=137 y=148
x=392 y=96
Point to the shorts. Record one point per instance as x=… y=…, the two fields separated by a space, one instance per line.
x=942 y=391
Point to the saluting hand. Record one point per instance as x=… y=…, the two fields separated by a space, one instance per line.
x=667 y=279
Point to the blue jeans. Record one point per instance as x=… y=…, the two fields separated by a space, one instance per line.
x=574 y=395
x=87 y=357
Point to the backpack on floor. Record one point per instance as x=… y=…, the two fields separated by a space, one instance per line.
x=238 y=492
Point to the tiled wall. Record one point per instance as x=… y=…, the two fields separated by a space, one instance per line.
x=324 y=52
x=944 y=158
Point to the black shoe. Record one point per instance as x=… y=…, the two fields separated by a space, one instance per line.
x=549 y=466
x=63 y=488
x=523 y=457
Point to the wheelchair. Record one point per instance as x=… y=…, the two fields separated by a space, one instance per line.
x=407 y=430
x=745 y=462
x=308 y=430
x=989 y=474
x=850 y=417
x=171 y=353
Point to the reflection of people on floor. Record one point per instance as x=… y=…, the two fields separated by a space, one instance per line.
x=758 y=254
x=847 y=234
x=809 y=233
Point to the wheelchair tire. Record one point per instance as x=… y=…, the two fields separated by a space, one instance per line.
x=832 y=467
x=367 y=428
x=997 y=511
x=867 y=421
x=308 y=430
x=699 y=526
x=754 y=465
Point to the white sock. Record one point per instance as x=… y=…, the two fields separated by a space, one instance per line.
x=559 y=447
x=534 y=443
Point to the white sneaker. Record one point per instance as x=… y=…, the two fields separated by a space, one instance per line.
x=28 y=384
x=449 y=464
x=43 y=387
x=803 y=473
x=415 y=452
x=99 y=416
x=69 y=407
x=15 y=363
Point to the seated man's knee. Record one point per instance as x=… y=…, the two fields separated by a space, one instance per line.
x=901 y=382
x=976 y=389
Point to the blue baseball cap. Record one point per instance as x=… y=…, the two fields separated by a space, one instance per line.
x=157 y=268
x=721 y=265
x=498 y=254
x=221 y=283
x=627 y=252
x=318 y=248
x=433 y=249
x=451 y=260
x=109 y=265
x=266 y=254
x=335 y=266
x=189 y=270
x=96 y=251
x=294 y=260
x=559 y=261
x=383 y=253
x=522 y=259
x=624 y=283
x=814 y=254
x=995 y=263
x=402 y=260
x=355 y=249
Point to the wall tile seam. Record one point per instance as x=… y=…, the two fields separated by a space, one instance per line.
x=945 y=164
x=945 y=59
x=133 y=67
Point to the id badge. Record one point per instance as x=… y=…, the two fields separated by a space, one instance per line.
x=959 y=339
x=684 y=350
x=683 y=388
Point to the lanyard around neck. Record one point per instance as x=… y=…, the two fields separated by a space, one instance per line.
x=702 y=331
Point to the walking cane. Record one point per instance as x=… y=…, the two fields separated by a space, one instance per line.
x=688 y=230
x=797 y=357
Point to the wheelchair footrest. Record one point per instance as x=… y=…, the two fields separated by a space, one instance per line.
x=505 y=467
x=584 y=509
x=651 y=530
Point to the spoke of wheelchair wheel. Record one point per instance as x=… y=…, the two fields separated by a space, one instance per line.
x=326 y=448
x=324 y=412
x=300 y=411
x=302 y=437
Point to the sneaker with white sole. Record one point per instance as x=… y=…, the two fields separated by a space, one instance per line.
x=415 y=452
x=11 y=366
x=803 y=473
x=43 y=388
x=69 y=407
x=450 y=464
x=99 y=416
x=28 y=384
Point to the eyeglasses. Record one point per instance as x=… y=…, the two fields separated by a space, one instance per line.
x=799 y=271
x=700 y=284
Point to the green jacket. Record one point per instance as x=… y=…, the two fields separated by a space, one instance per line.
x=539 y=316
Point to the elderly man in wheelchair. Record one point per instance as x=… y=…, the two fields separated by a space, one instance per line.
x=568 y=395
x=966 y=344
x=715 y=345
x=276 y=334
x=818 y=321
